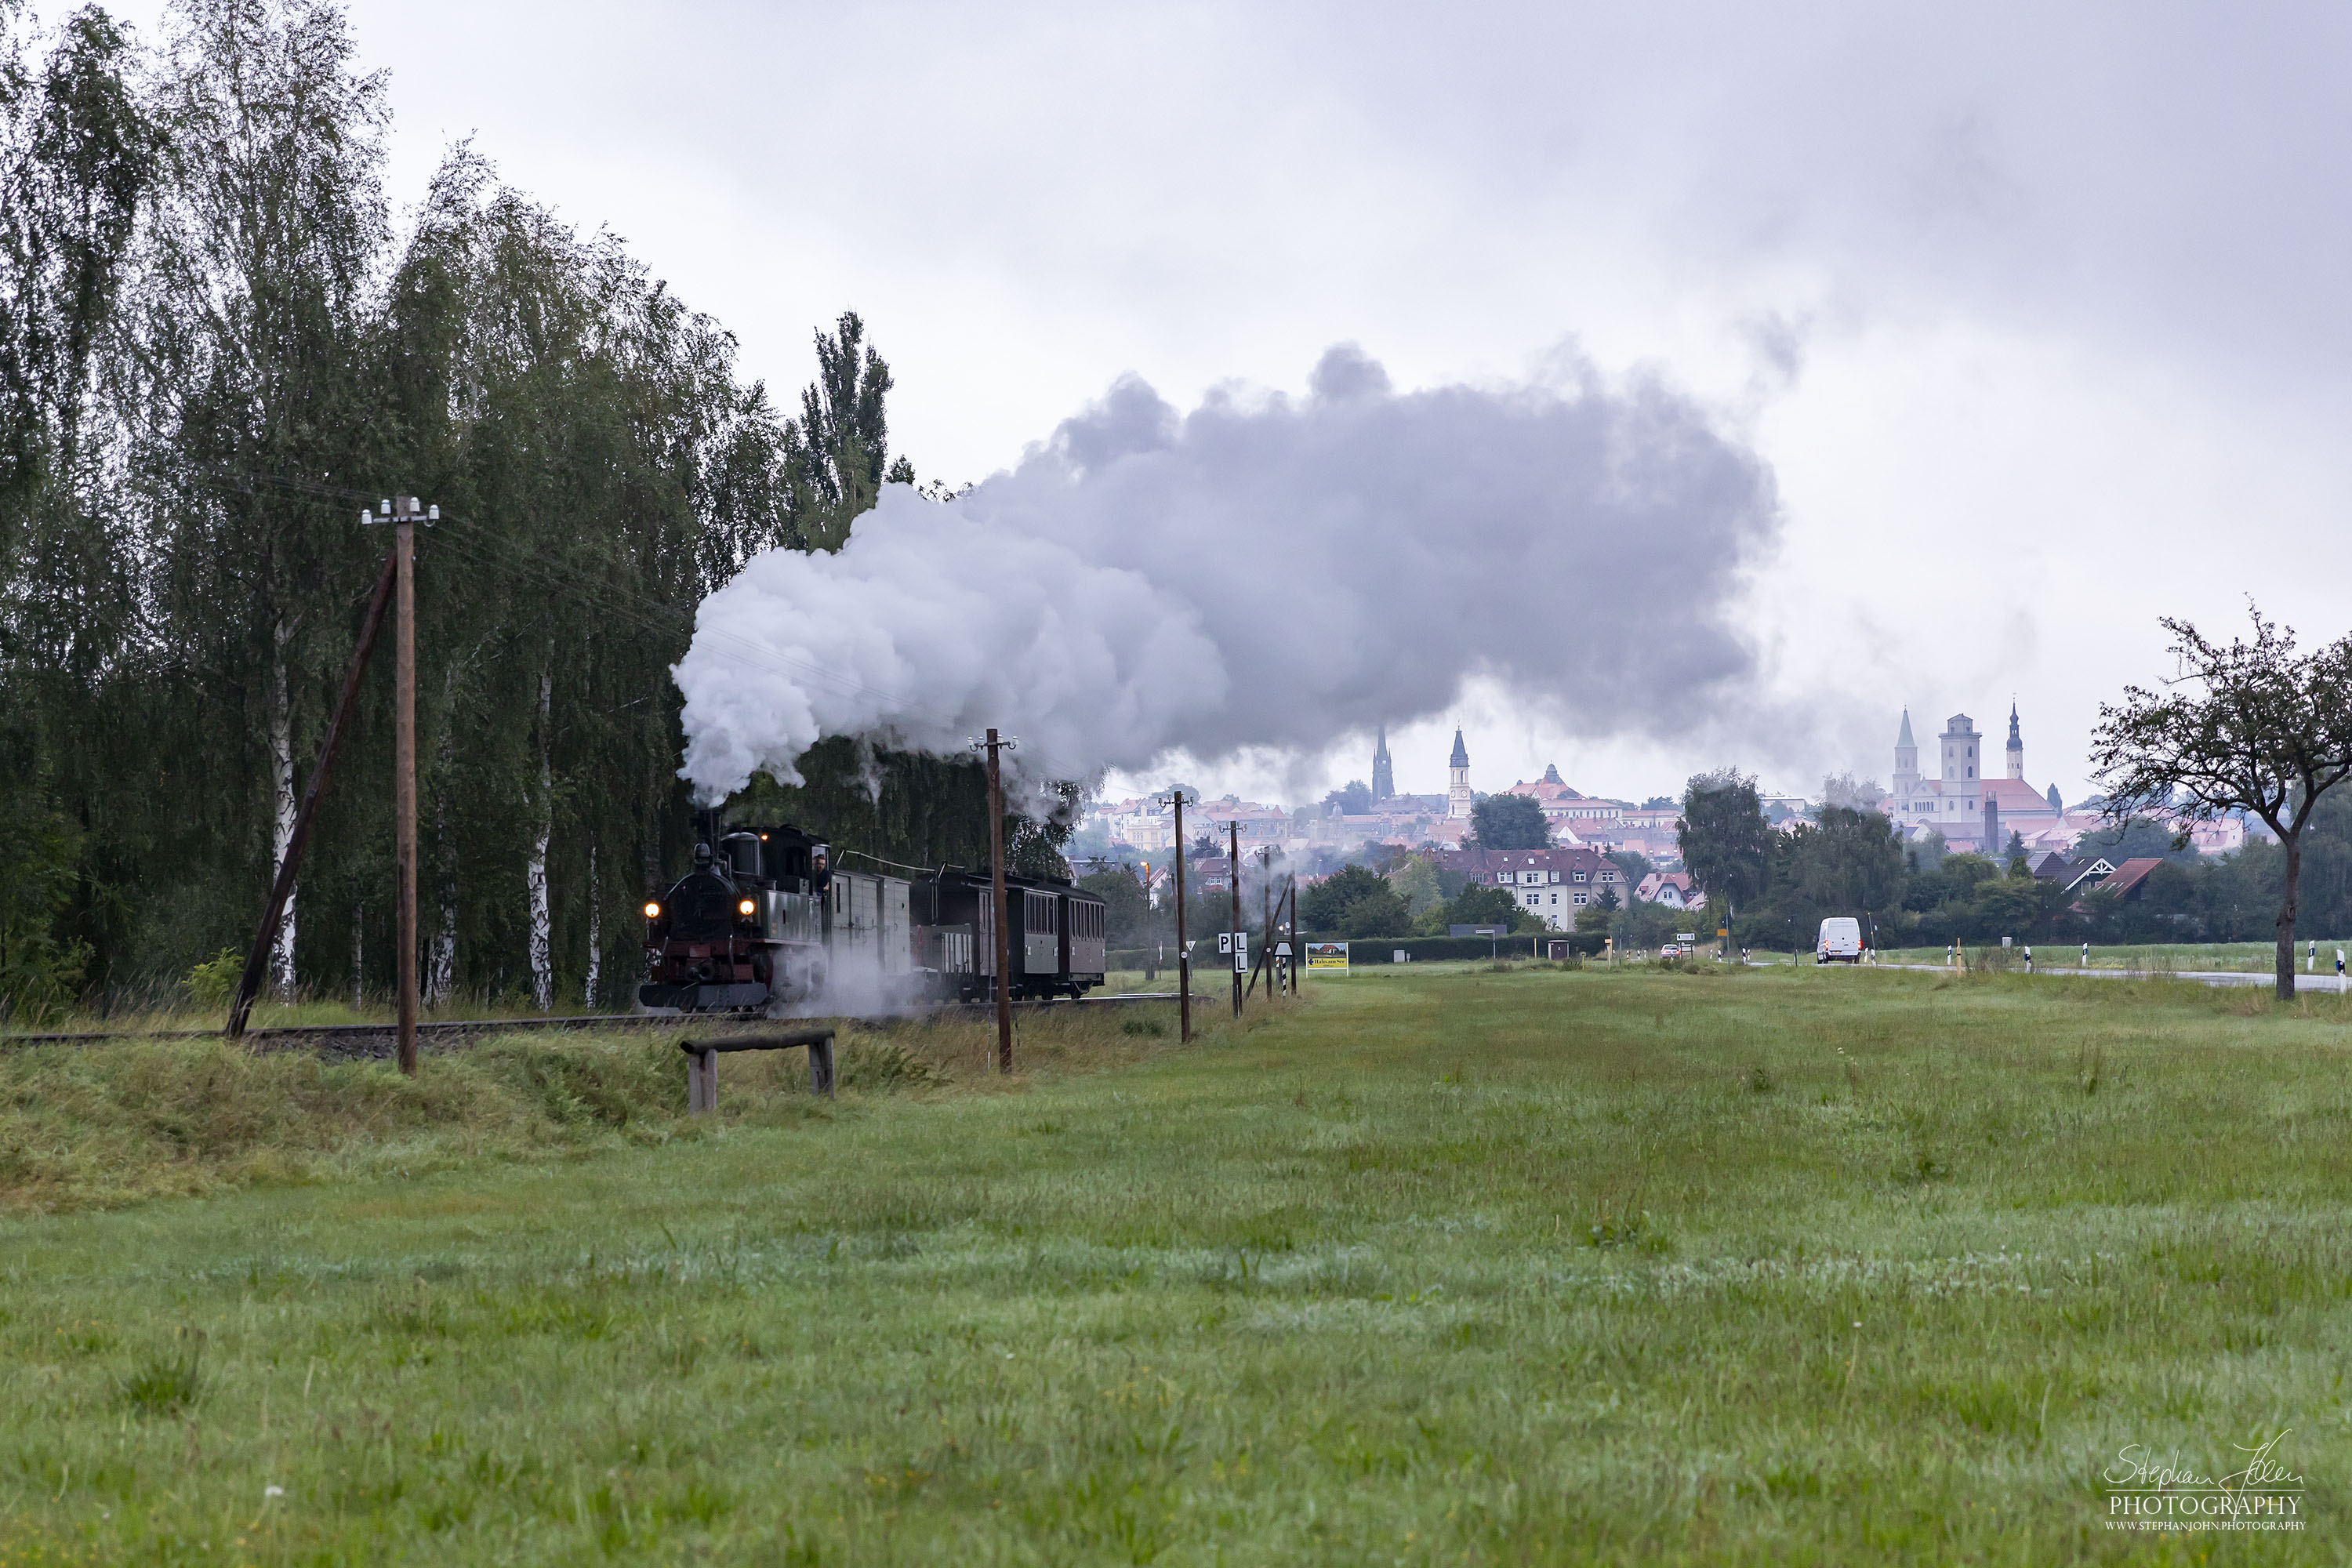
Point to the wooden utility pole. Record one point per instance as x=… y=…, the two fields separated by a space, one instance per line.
x=257 y=962
x=1233 y=897
x=996 y=892
x=404 y=785
x=1266 y=906
x=1296 y=973
x=1184 y=949
x=1298 y=953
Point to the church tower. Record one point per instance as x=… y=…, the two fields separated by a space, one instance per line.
x=1962 y=792
x=1384 y=776
x=2016 y=746
x=1906 y=780
x=1457 y=787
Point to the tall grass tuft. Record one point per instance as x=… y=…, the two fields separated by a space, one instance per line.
x=162 y=1384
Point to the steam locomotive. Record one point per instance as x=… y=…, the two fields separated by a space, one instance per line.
x=766 y=924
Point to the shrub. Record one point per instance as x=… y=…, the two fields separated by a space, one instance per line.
x=212 y=983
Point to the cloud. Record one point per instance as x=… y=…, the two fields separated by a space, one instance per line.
x=1262 y=572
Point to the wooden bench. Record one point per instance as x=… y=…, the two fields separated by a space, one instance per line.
x=702 y=1061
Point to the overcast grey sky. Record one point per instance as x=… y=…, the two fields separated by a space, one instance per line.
x=2038 y=313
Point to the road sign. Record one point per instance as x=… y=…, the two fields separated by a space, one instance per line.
x=1282 y=949
x=1241 y=951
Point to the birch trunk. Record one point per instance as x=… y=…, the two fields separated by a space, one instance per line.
x=359 y=970
x=595 y=933
x=442 y=969
x=543 y=969
x=281 y=835
x=441 y=965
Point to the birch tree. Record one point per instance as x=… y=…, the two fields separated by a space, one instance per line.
x=255 y=325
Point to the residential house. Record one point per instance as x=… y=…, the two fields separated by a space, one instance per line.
x=1552 y=884
x=1675 y=890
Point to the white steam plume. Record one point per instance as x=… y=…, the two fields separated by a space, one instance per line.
x=1276 y=575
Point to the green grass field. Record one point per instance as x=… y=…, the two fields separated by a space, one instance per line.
x=1445 y=1265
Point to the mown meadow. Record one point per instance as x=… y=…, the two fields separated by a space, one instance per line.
x=1444 y=1264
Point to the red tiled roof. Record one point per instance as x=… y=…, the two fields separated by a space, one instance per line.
x=2016 y=796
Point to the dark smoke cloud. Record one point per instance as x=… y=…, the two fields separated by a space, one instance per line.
x=1275 y=572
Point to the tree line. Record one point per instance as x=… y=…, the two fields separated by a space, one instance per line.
x=2250 y=727
x=217 y=347
x=1853 y=862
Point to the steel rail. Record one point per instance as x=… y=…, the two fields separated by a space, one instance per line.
x=283 y=1037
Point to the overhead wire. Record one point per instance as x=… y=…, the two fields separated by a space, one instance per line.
x=669 y=618
x=640 y=609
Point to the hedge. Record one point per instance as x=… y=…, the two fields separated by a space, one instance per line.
x=1378 y=949
x=1437 y=949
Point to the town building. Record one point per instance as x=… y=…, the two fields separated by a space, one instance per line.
x=2127 y=879
x=1458 y=798
x=1145 y=825
x=1552 y=884
x=1674 y=889
x=1970 y=810
x=1383 y=773
x=1574 y=818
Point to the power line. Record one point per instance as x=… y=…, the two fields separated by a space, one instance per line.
x=639 y=608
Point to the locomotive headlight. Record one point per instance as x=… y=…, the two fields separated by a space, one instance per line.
x=652 y=911
x=746 y=907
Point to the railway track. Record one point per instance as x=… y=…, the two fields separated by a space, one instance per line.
x=366 y=1042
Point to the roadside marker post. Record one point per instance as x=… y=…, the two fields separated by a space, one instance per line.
x=1234 y=901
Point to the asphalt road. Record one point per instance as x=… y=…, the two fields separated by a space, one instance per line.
x=2312 y=982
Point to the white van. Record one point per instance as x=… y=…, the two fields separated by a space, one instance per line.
x=1841 y=941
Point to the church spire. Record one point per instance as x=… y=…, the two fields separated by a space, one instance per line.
x=1459 y=797
x=1904 y=738
x=1383 y=773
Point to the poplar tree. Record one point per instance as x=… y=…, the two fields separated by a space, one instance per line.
x=837 y=456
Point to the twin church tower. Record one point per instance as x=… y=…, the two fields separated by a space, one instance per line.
x=1458 y=798
x=1962 y=804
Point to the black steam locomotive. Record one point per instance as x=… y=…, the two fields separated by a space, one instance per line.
x=765 y=922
